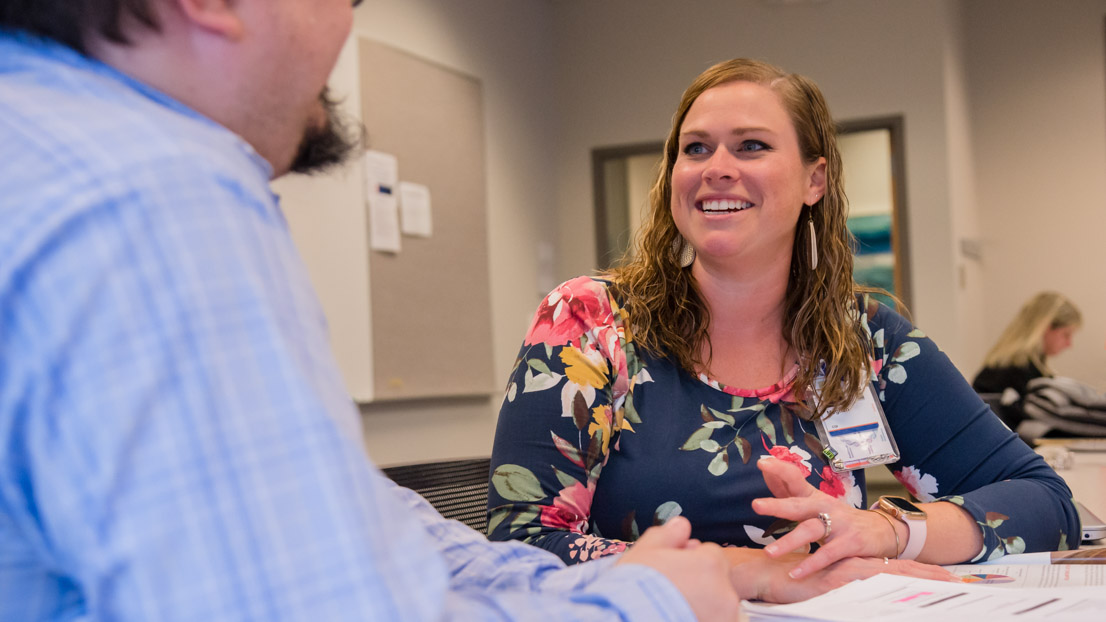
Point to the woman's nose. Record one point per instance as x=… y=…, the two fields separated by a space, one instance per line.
x=722 y=166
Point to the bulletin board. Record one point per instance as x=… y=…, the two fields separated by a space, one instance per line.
x=431 y=301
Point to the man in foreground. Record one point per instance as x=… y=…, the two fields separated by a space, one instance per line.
x=177 y=442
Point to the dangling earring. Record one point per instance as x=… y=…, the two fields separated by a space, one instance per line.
x=684 y=252
x=813 y=244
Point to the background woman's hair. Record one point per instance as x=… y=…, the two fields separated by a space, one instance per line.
x=1022 y=342
x=71 y=21
x=668 y=314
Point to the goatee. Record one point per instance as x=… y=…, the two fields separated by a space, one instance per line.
x=331 y=144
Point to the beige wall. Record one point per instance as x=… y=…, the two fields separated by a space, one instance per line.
x=1005 y=124
x=1037 y=87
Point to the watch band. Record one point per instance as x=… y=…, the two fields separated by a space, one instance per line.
x=915 y=526
x=916 y=540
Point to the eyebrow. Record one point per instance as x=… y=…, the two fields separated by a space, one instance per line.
x=737 y=131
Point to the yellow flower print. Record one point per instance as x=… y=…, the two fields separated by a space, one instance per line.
x=601 y=424
x=583 y=370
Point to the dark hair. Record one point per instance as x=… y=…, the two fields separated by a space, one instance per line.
x=70 y=21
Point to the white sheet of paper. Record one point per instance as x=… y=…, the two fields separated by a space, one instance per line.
x=381 y=172
x=1033 y=575
x=381 y=179
x=383 y=223
x=892 y=598
x=414 y=209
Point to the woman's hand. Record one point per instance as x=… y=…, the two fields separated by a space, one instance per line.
x=850 y=532
x=757 y=576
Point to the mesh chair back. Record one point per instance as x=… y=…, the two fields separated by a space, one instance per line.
x=458 y=489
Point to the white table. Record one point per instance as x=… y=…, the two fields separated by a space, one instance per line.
x=1086 y=476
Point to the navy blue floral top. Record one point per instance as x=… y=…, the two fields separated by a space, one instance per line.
x=597 y=441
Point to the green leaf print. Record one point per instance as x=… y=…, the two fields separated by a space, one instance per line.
x=1014 y=545
x=539 y=382
x=1063 y=546
x=728 y=418
x=744 y=449
x=696 y=437
x=629 y=411
x=496 y=518
x=917 y=333
x=896 y=373
x=710 y=445
x=766 y=426
x=667 y=511
x=538 y=365
x=720 y=464
x=906 y=352
x=566 y=480
x=516 y=483
x=704 y=414
x=714 y=425
x=787 y=421
x=877 y=339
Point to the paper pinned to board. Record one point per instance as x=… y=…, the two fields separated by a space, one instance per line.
x=414 y=209
x=381 y=180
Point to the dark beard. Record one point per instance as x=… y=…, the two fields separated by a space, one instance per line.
x=326 y=147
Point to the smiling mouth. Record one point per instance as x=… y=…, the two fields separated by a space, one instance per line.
x=723 y=206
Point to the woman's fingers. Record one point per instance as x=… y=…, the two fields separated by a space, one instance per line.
x=784 y=479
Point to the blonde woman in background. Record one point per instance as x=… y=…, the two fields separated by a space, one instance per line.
x=1043 y=328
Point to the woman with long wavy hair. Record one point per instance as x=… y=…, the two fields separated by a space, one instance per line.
x=690 y=380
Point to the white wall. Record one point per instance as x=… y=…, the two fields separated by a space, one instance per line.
x=1037 y=86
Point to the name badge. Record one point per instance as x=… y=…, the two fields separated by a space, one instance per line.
x=858 y=437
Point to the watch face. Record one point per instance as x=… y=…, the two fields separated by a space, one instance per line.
x=903 y=505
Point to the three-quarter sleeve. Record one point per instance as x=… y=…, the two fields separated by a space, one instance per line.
x=953 y=447
x=563 y=412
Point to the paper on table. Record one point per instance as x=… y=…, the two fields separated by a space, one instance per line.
x=1032 y=575
x=892 y=598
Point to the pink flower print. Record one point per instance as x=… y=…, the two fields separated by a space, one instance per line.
x=922 y=486
x=794 y=455
x=570 y=509
x=569 y=312
x=593 y=547
x=831 y=483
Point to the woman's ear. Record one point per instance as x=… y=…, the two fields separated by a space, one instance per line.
x=817 y=187
x=216 y=16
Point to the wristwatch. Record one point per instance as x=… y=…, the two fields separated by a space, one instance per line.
x=915 y=519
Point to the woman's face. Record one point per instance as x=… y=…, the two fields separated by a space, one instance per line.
x=739 y=182
x=1058 y=339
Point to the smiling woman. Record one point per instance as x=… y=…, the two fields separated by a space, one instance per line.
x=681 y=383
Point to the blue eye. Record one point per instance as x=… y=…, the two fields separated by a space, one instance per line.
x=694 y=149
x=752 y=145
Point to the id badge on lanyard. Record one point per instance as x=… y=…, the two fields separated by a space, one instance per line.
x=858 y=437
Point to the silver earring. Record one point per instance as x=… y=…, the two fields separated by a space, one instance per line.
x=813 y=245
x=685 y=252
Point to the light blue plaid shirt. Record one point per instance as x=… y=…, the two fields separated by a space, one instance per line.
x=176 y=441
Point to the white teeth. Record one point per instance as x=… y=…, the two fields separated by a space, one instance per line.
x=725 y=206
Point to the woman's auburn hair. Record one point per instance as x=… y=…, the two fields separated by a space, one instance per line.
x=1023 y=340
x=668 y=316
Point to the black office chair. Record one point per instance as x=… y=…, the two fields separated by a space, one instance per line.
x=458 y=489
